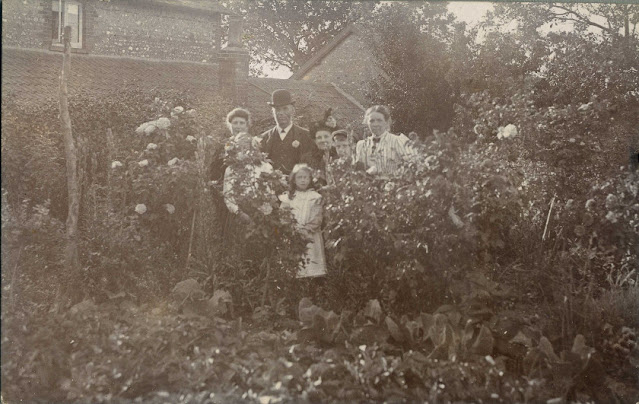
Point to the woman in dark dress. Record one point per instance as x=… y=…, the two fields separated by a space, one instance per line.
x=320 y=158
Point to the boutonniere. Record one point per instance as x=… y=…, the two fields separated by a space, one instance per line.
x=295 y=144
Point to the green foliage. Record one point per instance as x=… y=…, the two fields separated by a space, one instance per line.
x=413 y=61
x=450 y=210
x=609 y=20
x=121 y=351
x=262 y=256
x=287 y=34
x=500 y=265
x=121 y=249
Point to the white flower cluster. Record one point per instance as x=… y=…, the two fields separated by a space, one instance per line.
x=505 y=132
x=140 y=208
x=150 y=127
x=584 y=107
x=266 y=208
x=177 y=111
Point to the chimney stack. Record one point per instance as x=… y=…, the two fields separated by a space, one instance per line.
x=234 y=64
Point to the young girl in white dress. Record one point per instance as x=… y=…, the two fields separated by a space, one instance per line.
x=306 y=206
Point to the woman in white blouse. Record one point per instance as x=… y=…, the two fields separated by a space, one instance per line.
x=382 y=152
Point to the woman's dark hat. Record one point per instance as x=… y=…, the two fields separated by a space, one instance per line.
x=280 y=98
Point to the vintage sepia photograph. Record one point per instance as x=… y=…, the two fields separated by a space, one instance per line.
x=288 y=201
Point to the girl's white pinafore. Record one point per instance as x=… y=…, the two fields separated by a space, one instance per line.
x=307 y=209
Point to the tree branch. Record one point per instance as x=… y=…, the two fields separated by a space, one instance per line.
x=580 y=18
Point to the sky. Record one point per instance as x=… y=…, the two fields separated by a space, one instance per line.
x=470 y=12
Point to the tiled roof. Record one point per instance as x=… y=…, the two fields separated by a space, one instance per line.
x=311 y=100
x=201 y=5
x=32 y=76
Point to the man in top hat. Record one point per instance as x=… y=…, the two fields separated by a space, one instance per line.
x=286 y=142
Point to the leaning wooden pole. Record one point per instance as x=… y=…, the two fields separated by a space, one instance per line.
x=71 y=257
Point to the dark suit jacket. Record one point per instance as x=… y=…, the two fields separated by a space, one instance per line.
x=315 y=159
x=284 y=154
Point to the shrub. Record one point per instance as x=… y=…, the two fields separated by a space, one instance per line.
x=450 y=211
x=116 y=241
x=262 y=257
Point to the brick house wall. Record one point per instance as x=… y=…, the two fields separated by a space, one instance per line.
x=23 y=23
x=350 y=65
x=148 y=44
x=132 y=28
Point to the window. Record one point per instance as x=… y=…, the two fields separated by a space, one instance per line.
x=66 y=13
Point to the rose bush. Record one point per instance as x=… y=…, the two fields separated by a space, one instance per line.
x=260 y=258
x=454 y=209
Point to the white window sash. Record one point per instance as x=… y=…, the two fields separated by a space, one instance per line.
x=65 y=18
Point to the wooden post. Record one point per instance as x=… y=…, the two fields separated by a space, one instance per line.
x=110 y=155
x=71 y=257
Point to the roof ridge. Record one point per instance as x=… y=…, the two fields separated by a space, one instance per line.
x=96 y=56
x=319 y=55
x=348 y=97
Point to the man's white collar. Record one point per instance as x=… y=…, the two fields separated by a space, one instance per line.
x=284 y=132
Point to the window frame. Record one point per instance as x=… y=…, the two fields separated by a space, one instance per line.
x=56 y=43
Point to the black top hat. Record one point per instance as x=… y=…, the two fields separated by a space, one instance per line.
x=280 y=98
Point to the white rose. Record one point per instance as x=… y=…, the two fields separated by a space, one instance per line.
x=507 y=131
x=477 y=129
x=116 y=164
x=170 y=208
x=256 y=141
x=178 y=110
x=584 y=107
x=611 y=201
x=266 y=208
x=151 y=146
x=150 y=128
x=142 y=128
x=190 y=138
x=143 y=163
x=173 y=161
x=163 y=123
x=140 y=208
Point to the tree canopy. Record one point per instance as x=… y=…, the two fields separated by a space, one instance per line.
x=410 y=43
x=611 y=20
x=286 y=33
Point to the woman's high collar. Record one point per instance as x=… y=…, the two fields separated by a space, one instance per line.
x=382 y=136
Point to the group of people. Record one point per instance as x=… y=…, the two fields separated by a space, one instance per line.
x=305 y=156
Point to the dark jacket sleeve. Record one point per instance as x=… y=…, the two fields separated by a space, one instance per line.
x=306 y=144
